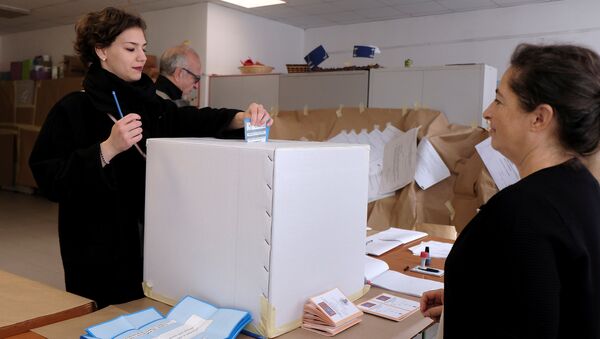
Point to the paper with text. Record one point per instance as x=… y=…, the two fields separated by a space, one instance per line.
x=430 y=166
x=399 y=162
x=502 y=170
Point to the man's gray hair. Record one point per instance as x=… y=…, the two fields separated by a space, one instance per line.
x=175 y=57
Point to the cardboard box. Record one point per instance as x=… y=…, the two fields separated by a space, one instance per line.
x=49 y=92
x=27 y=137
x=73 y=67
x=7 y=157
x=7 y=102
x=16 y=70
x=255 y=226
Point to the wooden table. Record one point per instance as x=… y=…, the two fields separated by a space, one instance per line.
x=27 y=304
x=371 y=326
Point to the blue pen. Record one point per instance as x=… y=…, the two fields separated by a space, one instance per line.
x=117 y=102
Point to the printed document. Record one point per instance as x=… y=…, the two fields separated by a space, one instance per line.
x=392 y=157
x=430 y=166
x=502 y=170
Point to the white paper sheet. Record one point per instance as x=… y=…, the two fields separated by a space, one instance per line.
x=377 y=140
x=436 y=249
x=402 y=283
x=430 y=166
x=374 y=267
x=502 y=170
x=384 y=241
x=399 y=161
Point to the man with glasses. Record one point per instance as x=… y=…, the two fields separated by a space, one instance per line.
x=179 y=74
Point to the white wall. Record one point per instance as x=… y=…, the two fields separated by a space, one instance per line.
x=26 y=45
x=170 y=27
x=220 y=35
x=485 y=36
x=234 y=36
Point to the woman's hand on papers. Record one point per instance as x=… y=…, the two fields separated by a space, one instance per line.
x=432 y=304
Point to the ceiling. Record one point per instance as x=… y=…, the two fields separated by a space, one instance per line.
x=299 y=13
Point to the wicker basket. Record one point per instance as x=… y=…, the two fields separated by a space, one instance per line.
x=255 y=69
x=297 y=68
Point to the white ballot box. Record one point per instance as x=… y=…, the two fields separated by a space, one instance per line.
x=255 y=226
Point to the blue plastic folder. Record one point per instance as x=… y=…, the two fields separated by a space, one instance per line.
x=364 y=51
x=316 y=57
x=189 y=318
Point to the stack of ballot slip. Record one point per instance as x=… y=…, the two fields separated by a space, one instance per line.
x=255 y=133
x=330 y=313
x=390 y=307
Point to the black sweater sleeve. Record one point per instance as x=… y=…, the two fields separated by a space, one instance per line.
x=65 y=157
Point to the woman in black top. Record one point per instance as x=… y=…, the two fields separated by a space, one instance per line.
x=91 y=160
x=528 y=264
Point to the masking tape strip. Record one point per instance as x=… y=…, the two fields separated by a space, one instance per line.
x=274 y=111
x=361 y=108
x=450 y=208
x=339 y=111
x=268 y=315
x=156 y=296
x=305 y=110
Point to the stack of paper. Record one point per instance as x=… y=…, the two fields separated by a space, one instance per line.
x=382 y=242
x=330 y=313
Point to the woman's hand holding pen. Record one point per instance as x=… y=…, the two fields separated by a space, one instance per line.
x=125 y=133
x=432 y=304
x=258 y=117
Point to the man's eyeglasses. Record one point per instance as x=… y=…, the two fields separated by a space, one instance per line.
x=196 y=77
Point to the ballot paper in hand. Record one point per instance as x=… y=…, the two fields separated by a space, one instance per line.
x=384 y=241
x=502 y=170
x=378 y=273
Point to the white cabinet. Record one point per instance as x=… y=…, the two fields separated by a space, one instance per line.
x=323 y=90
x=238 y=91
x=462 y=92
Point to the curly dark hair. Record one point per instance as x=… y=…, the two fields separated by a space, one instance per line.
x=567 y=78
x=100 y=29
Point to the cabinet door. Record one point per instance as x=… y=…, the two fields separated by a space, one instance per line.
x=225 y=92
x=262 y=89
x=395 y=88
x=241 y=90
x=323 y=90
x=458 y=93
